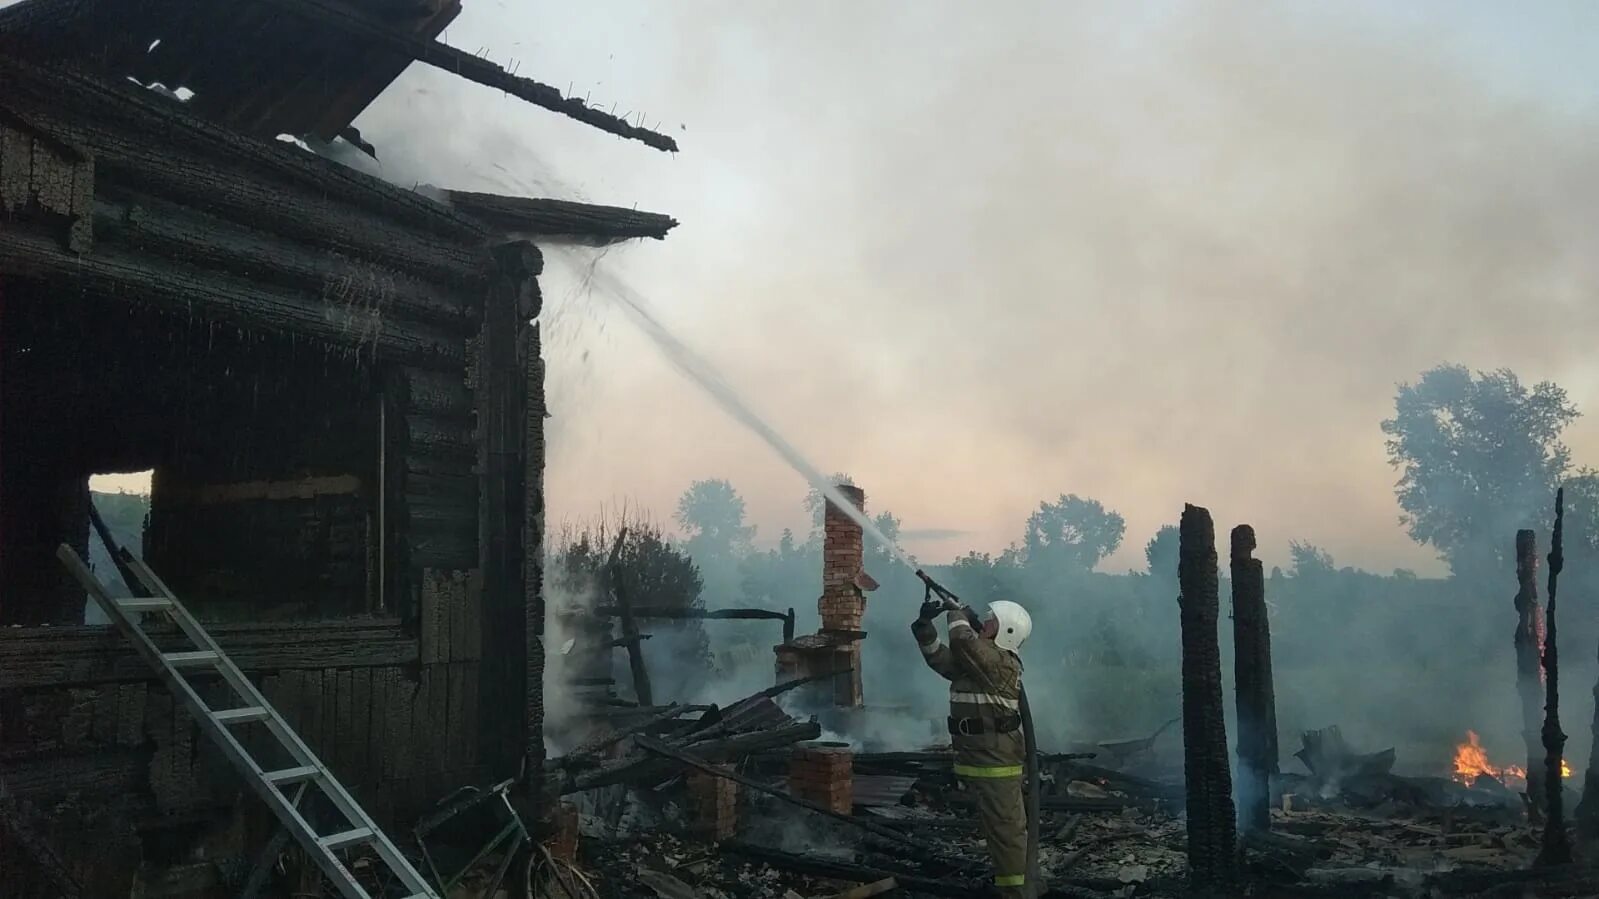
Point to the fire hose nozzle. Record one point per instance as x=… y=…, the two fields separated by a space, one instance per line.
x=950 y=600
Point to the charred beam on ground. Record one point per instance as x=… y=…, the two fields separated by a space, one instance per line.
x=470 y=67
x=560 y=218
x=1211 y=823
x=1556 y=849
x=648 y=769
x=1256 y=702
x=1528 y=640
x=676 y=613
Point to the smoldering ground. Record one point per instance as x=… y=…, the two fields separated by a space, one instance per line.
x=1149 y=255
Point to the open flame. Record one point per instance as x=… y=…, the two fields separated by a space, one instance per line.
x=1471 y=762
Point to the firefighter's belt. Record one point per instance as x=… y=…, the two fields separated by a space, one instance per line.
x=974 y=727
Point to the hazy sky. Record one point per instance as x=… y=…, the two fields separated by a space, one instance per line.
x=978 y=256
x=982 y=255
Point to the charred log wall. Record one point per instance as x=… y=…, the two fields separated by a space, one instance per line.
x=284 y=341
x=1211 y=824
x=1256 y=696
x=94 y=747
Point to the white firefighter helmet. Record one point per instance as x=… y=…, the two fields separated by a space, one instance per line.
x=1014 y=624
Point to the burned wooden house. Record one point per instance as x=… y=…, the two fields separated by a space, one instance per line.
x=337 y=383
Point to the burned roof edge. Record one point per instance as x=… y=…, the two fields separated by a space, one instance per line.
x=560 y=218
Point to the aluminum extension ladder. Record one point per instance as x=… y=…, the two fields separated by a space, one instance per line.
x=307 y=769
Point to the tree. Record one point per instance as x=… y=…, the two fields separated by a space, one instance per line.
x=888 y=525
x=712 y=514
x=789 y=576
x=1161 y=554
x=1072 y=534
x=653 y=572
x=1309 y=559
x=1479 y=457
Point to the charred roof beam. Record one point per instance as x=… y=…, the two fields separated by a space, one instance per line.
x=472 y=68
x=543 y=218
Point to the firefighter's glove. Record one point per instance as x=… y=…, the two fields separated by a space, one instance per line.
x=930 y=610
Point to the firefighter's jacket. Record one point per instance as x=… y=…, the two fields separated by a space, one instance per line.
x=985 y=685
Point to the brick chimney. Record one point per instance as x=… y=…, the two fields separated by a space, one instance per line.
x=713 y=805
x=842 y=606
x=823 y=773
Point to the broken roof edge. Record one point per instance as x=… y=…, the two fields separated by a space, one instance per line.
x=546 y=218
x=473 y=68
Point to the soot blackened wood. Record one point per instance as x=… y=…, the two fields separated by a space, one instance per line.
x=630 y=633
x=500 y=397
x=533 y=552
x=1211 y=823
x=99 y=115
x=1556 y=849
x=176 y=232
x=89 y=654
x=115 y=273
x=561 y=218
x=471 y=67
x=1528 y=640
x=1256 y=701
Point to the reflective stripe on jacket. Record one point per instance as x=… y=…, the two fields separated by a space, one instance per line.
x=984 y=684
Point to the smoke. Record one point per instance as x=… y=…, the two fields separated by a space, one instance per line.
x=1169 y=242
x=1145 y=255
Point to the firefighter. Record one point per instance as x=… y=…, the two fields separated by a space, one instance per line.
x=985 y=725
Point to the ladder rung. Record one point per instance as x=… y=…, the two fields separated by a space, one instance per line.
x=145 y=604
x=190 y=659
x=348 y=838
x=242 y=715
x=288 y=776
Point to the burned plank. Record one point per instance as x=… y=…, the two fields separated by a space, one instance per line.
x=561 y=218
x=645 y=769
x=471 y=67
x=115 y=273
x=172 y=231
x=437 y=596
x=672 y=613
x=96 y=654
x=110 y=116
x=436 y=392
x=1211 y=823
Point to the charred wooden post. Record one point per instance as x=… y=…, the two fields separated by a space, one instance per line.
x=533 y=756
x=1211 y=823
x=1529 y=640
x=1256 y=698
x=507 y=385
x=1556 y=848
x=630 y=634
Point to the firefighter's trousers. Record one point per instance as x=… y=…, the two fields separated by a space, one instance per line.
x=1003 y=817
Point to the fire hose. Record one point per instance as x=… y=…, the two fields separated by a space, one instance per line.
x=1029 y=739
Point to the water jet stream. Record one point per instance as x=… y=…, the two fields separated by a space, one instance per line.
x=701 y=372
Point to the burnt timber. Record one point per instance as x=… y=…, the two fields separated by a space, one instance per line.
x=338 y=385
